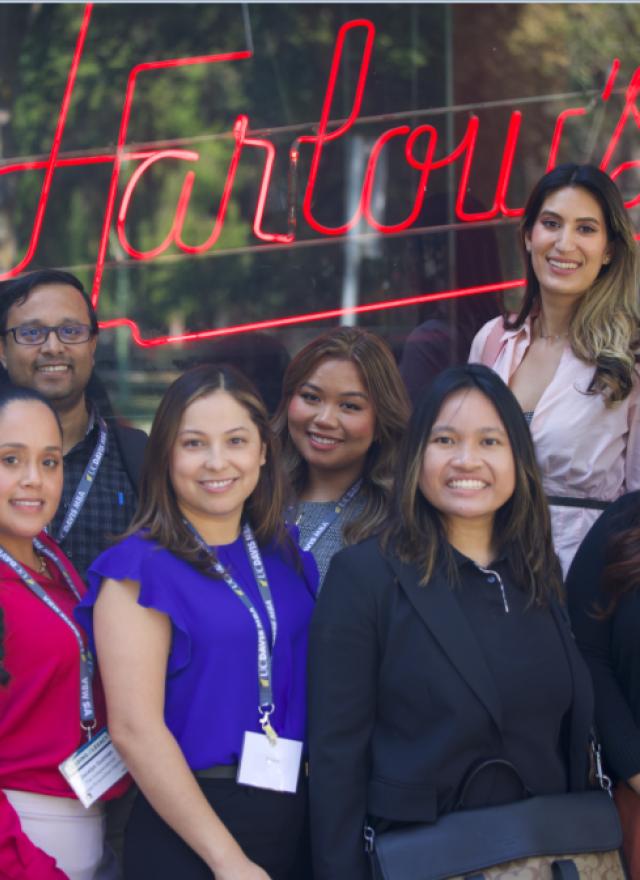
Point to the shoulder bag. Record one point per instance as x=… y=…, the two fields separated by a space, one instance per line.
x=574 y=836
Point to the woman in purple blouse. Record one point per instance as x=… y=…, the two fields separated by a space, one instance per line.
x=200 y=619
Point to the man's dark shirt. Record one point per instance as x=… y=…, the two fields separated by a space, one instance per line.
x=109 y=506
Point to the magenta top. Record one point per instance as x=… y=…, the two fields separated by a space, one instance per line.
x=211 y=695
x=39 y=708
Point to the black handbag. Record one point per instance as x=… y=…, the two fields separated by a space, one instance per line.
x=547 y=837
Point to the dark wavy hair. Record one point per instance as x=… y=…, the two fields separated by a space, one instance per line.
x=380 y=376
x=521 y=527
x=158 y=512
x=604 y=329
x=621 y=574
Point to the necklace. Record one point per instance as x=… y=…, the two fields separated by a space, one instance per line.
x=552 y=336
x=42 y=564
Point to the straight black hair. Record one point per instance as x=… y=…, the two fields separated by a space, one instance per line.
x=522 y=526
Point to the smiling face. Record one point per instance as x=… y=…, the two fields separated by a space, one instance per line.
x=59 y=372
x=215 y=465
x=30 y=472
x=332 y=420
x=568 y=243
x=468 y=470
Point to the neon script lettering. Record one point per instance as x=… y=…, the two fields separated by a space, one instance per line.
x=419 y=148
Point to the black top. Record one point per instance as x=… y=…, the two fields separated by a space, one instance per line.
x=411 y=686
x=610 y=646
x=523 y=650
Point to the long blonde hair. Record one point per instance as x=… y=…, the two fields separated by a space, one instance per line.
x=605 y=328
x=380 y=376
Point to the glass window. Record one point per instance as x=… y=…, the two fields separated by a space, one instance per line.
x=230 y=179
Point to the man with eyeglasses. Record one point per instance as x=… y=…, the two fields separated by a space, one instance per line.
x=48 y=337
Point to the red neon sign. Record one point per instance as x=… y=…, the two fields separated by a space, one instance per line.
x=419 y=149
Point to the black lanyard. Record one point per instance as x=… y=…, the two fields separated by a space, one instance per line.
x=265 y=649
x=86 y=482
x=346 y=499
x=87 y=710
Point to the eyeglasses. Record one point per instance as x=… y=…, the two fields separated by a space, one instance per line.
x=35 y=334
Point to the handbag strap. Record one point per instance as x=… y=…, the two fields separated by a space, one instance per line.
x=597 y=769
x=480 y=767
x=564 y=869
x=561 y=869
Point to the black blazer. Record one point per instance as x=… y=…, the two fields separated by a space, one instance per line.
x=402 y=704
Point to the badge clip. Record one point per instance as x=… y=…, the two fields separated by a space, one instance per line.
x=265 y=724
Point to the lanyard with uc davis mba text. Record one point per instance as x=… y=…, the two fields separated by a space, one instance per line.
x=87 y=710
x=86 y=482
x=318 y=532
x=265 y=650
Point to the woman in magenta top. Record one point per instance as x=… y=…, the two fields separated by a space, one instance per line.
x=45 y=833
x=179 y=611
x=569 y=355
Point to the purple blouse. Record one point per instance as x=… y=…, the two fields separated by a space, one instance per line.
x=211 y=695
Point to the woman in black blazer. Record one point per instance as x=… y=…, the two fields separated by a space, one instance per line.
x=443 y=645
x=603 y=590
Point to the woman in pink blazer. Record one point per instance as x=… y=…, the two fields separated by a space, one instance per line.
x=569 y=355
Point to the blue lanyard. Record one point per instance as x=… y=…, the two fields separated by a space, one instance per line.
x=86 y=482
x=318 y=532
x=265 y=649
x=87 y=710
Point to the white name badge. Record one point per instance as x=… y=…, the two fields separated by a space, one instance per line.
x=93 y=768
x=266 y=765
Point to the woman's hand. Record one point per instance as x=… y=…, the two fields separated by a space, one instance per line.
x=634 y=783
x=246 y=870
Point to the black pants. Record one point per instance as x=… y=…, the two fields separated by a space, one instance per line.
x=268 y=825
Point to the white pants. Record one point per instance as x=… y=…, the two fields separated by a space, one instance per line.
x=64 y=829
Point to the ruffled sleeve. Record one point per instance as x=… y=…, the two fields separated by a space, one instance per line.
x=159 y=574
